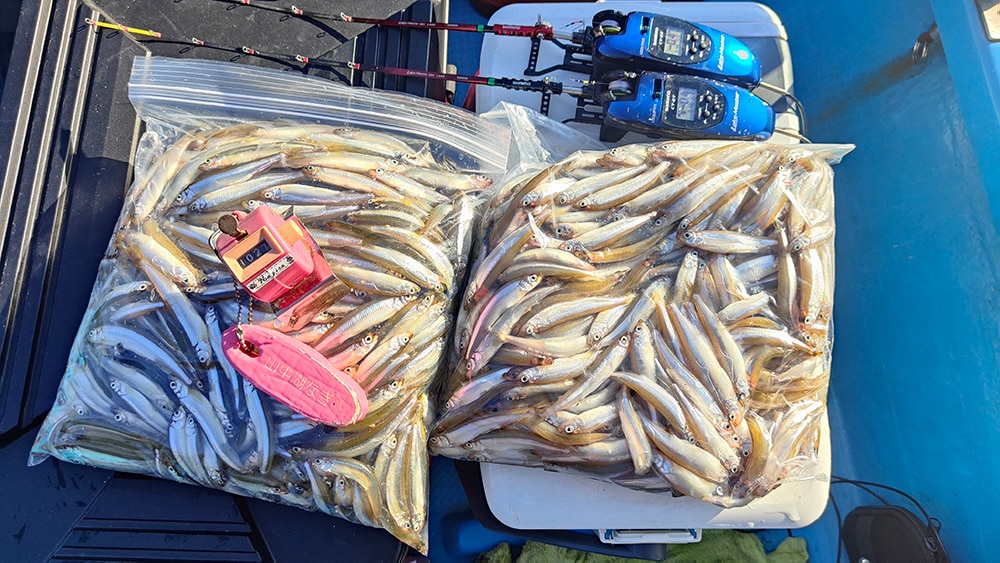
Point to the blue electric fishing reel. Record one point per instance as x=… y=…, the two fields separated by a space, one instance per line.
x=646 y=41
x=678 y=106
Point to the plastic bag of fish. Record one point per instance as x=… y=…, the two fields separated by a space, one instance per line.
x=656 y=315
x=148 y=389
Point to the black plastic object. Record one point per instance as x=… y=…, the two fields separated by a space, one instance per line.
x=470 y=474
x=891 y=534
x=67 y=136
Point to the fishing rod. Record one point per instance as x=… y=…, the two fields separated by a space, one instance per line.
x=542 y=85
x=157 y=36
x=540 y=29
x=636 y=41
x=656 y=104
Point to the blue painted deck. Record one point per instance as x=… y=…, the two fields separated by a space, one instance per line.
x=915 y=386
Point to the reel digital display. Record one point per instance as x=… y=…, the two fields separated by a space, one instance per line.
x=646 y=41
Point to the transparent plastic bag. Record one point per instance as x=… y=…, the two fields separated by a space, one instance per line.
x=389 y=185
x=654 y=315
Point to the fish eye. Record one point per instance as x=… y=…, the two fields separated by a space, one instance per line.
x=732 y=416
x=688 y=235
x=368 y=339
x=569 y=429
x=583 y=203
x=623 y=340
x=809 y=319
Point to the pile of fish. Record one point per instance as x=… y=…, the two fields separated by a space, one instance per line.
x=148 y=389
x=656 y=316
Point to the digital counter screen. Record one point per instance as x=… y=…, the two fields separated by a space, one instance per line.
x=254 y=253
x=672 y=41
x=687 y=101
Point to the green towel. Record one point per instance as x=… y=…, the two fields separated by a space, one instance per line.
x=715 y=545
x=733 y=545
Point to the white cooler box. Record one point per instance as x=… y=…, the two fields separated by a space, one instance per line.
x=534 y=499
